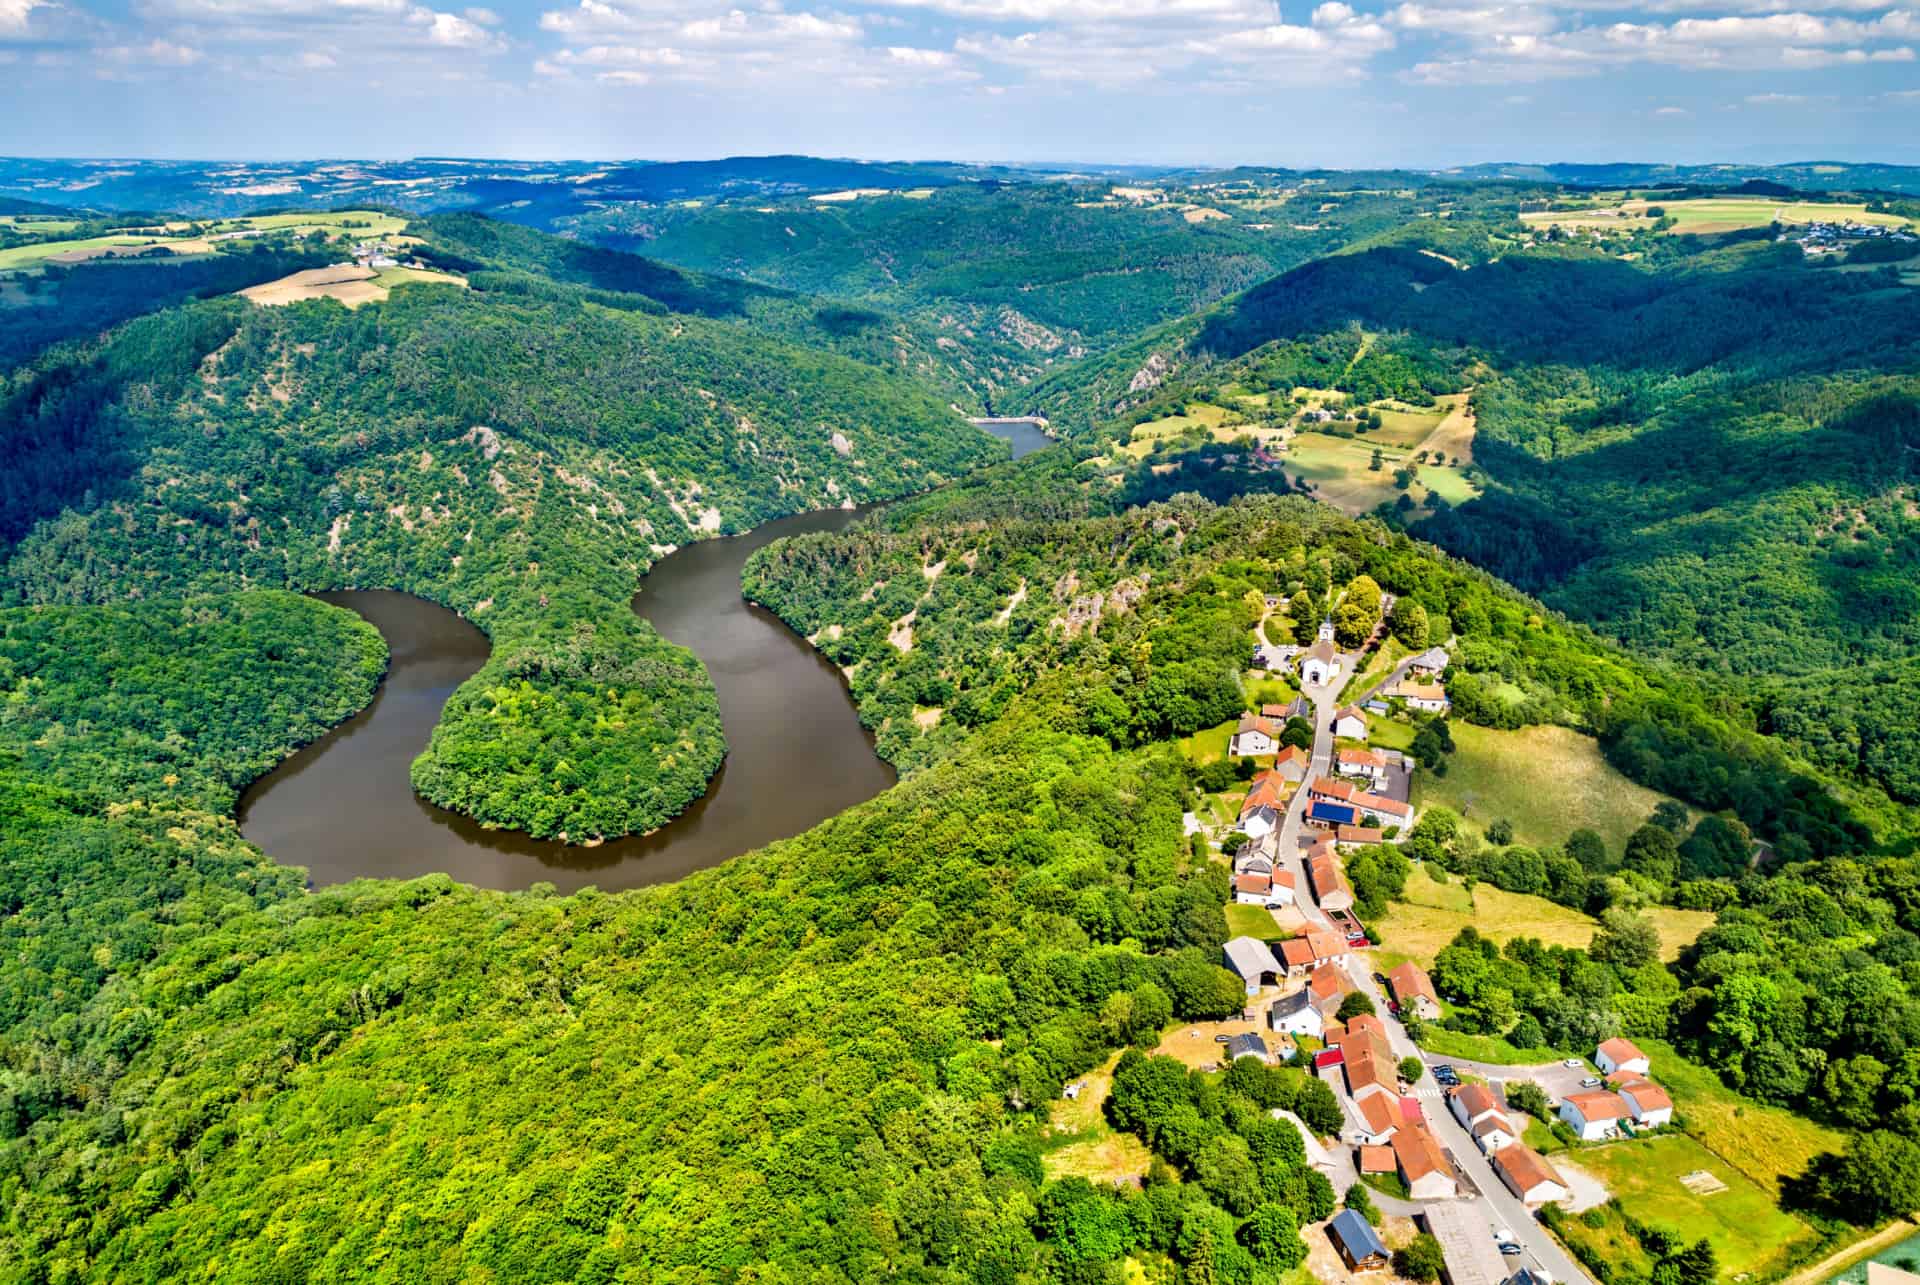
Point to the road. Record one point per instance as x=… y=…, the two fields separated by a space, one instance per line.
x=1326 y=700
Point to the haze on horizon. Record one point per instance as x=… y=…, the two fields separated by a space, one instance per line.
x=1343 y=82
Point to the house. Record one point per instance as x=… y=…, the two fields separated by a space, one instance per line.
x=1296 y=1015
x=1621 y=1055
x=1250 y=957
x=1357 y=1243
x=1376 y=1158
x=1330 y=887
x=1330 y=815
x=1270 y=790
x=1369 y=1061
x=1413 y=991
x=1649 y=1102
x=1302 y=954
x=1594 y=1115
x=1472 y=1103
x=1295 y=708
x=1328 y=986
x=1379 y=1119
x=1360 y=763
x=1350 y=723
x=1291 y=764
x=1430 y=663
x=1428 y=697
x=1319 y=664
x=1258 y=822
x=1254 y=736
x=1358 y=836
x=1494 y=1133
x=1251 y=888
x=1528 y=1176
x=1423 y=1164
x=1248 y=1045
x=1332 y=790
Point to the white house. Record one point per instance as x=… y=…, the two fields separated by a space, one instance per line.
x=1319 y=664
x=1649 y=1102
x=1472 y=1103
x=1429 y=663
x=1258 y=823
x=1253 y=737
x=1617 y=1055
x=1494 y=1133
x=1250 y=957
x=1594 y=1115
x=1365 y=763
x=1423 y=1164
x=1257 y=888
x=1350 y=723
x=1297 y=1015
x=1429 y=698
x=1528 y=1176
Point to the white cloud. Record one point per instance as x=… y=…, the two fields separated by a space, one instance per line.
x=13 y=15
x=1671 y=111
x=920 y=57
x=155 y=53
x=453 y=31
x=485 y=17
x=1492 y=20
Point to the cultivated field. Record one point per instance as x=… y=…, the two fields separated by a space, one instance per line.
x=175 y=236
x=1548 y=781
x=1711 y=214
x=346 y=283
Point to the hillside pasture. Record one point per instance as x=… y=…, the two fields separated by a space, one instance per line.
x=346 y=283
x=1208 y=419
x=1548 y=781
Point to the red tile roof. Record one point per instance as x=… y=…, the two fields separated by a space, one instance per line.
x=1525 y=1167
x=1621 y=1050
x=1418 y=1152
x=1359 y=834
x=1253 y=882
x=1475 y=1099
x=1410 y=981
x=1377 y=1160
x=1598 y=1105
x=1377 y=1110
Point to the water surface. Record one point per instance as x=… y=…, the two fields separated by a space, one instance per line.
x=343 y=806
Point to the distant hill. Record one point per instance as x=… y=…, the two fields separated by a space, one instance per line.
x=1807 y=176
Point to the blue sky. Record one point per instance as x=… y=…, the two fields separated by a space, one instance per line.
x=1332 y=82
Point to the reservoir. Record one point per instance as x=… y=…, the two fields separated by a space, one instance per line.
x=343 y=806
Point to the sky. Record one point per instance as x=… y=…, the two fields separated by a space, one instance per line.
x=1205 y=82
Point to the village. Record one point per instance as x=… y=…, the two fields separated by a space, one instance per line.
x=1439 y=1143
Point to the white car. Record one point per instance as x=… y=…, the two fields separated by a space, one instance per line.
x=1573 y=1062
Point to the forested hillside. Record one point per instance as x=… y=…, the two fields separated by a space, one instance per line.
x=1706 y=453
x=521 y=454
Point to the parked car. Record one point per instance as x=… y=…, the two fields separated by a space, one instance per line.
x=1573 y=1062
x=1591 y=1082
x=1510 y=1249
x=1221 y=1039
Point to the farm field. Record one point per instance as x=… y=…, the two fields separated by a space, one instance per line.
x=1749 y=1233
x=1340 y=470
x=1548 y=781
x=1212 y=419
x=346 y=283
x=1713 y=214
x=368 y=224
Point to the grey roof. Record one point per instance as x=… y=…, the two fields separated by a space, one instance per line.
x=1288 y=1005
x=1432 y=658
x=1250 y=957
x=1242 y=1045
x=1357 y=1234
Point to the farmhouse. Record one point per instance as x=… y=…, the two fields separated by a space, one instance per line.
x=1295 y=708
x=1296 y=1015
x=1427 y=697
x=1357 y=1243
x=1257 y=888
x=1621 y=1055
x=1528 y=1176
x=1430 y=663
x=1472 y=1103
x=1593 y=1115
x=1259 y=822
x=1269 y=789
x=1350 y=723
x=1649 y=1102
x=1423 y=1164
x=1330 y=887
x=1302 y=954
x=1319 y=664
x=1358 y=836
x=1254 y=736
x=1360 y=763
x=1413 y=991
x=1249 y=957
x=1328 y=986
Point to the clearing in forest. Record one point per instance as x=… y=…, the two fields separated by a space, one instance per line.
x=346 y=283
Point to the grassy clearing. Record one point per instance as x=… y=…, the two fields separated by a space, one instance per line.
x=1764 y=1143
x=1406 y=429
x=1208 y=745
x=1494 y=1050
x=1211 y=420
x=1251 y=921
x=1548 y=781
x=1389 y=733
x=1449 y=483
x=1749 y=1233
x=346 y=283
x=1079 y=1142
x=1432 y=914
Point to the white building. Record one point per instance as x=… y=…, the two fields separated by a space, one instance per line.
x=1617 y=1055
x=1649 y=1102
x=1594 y=1115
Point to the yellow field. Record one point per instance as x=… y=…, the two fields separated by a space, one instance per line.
x=1712 y=214
x=346 y=283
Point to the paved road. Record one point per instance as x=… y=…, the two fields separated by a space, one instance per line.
x=1325 y=700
